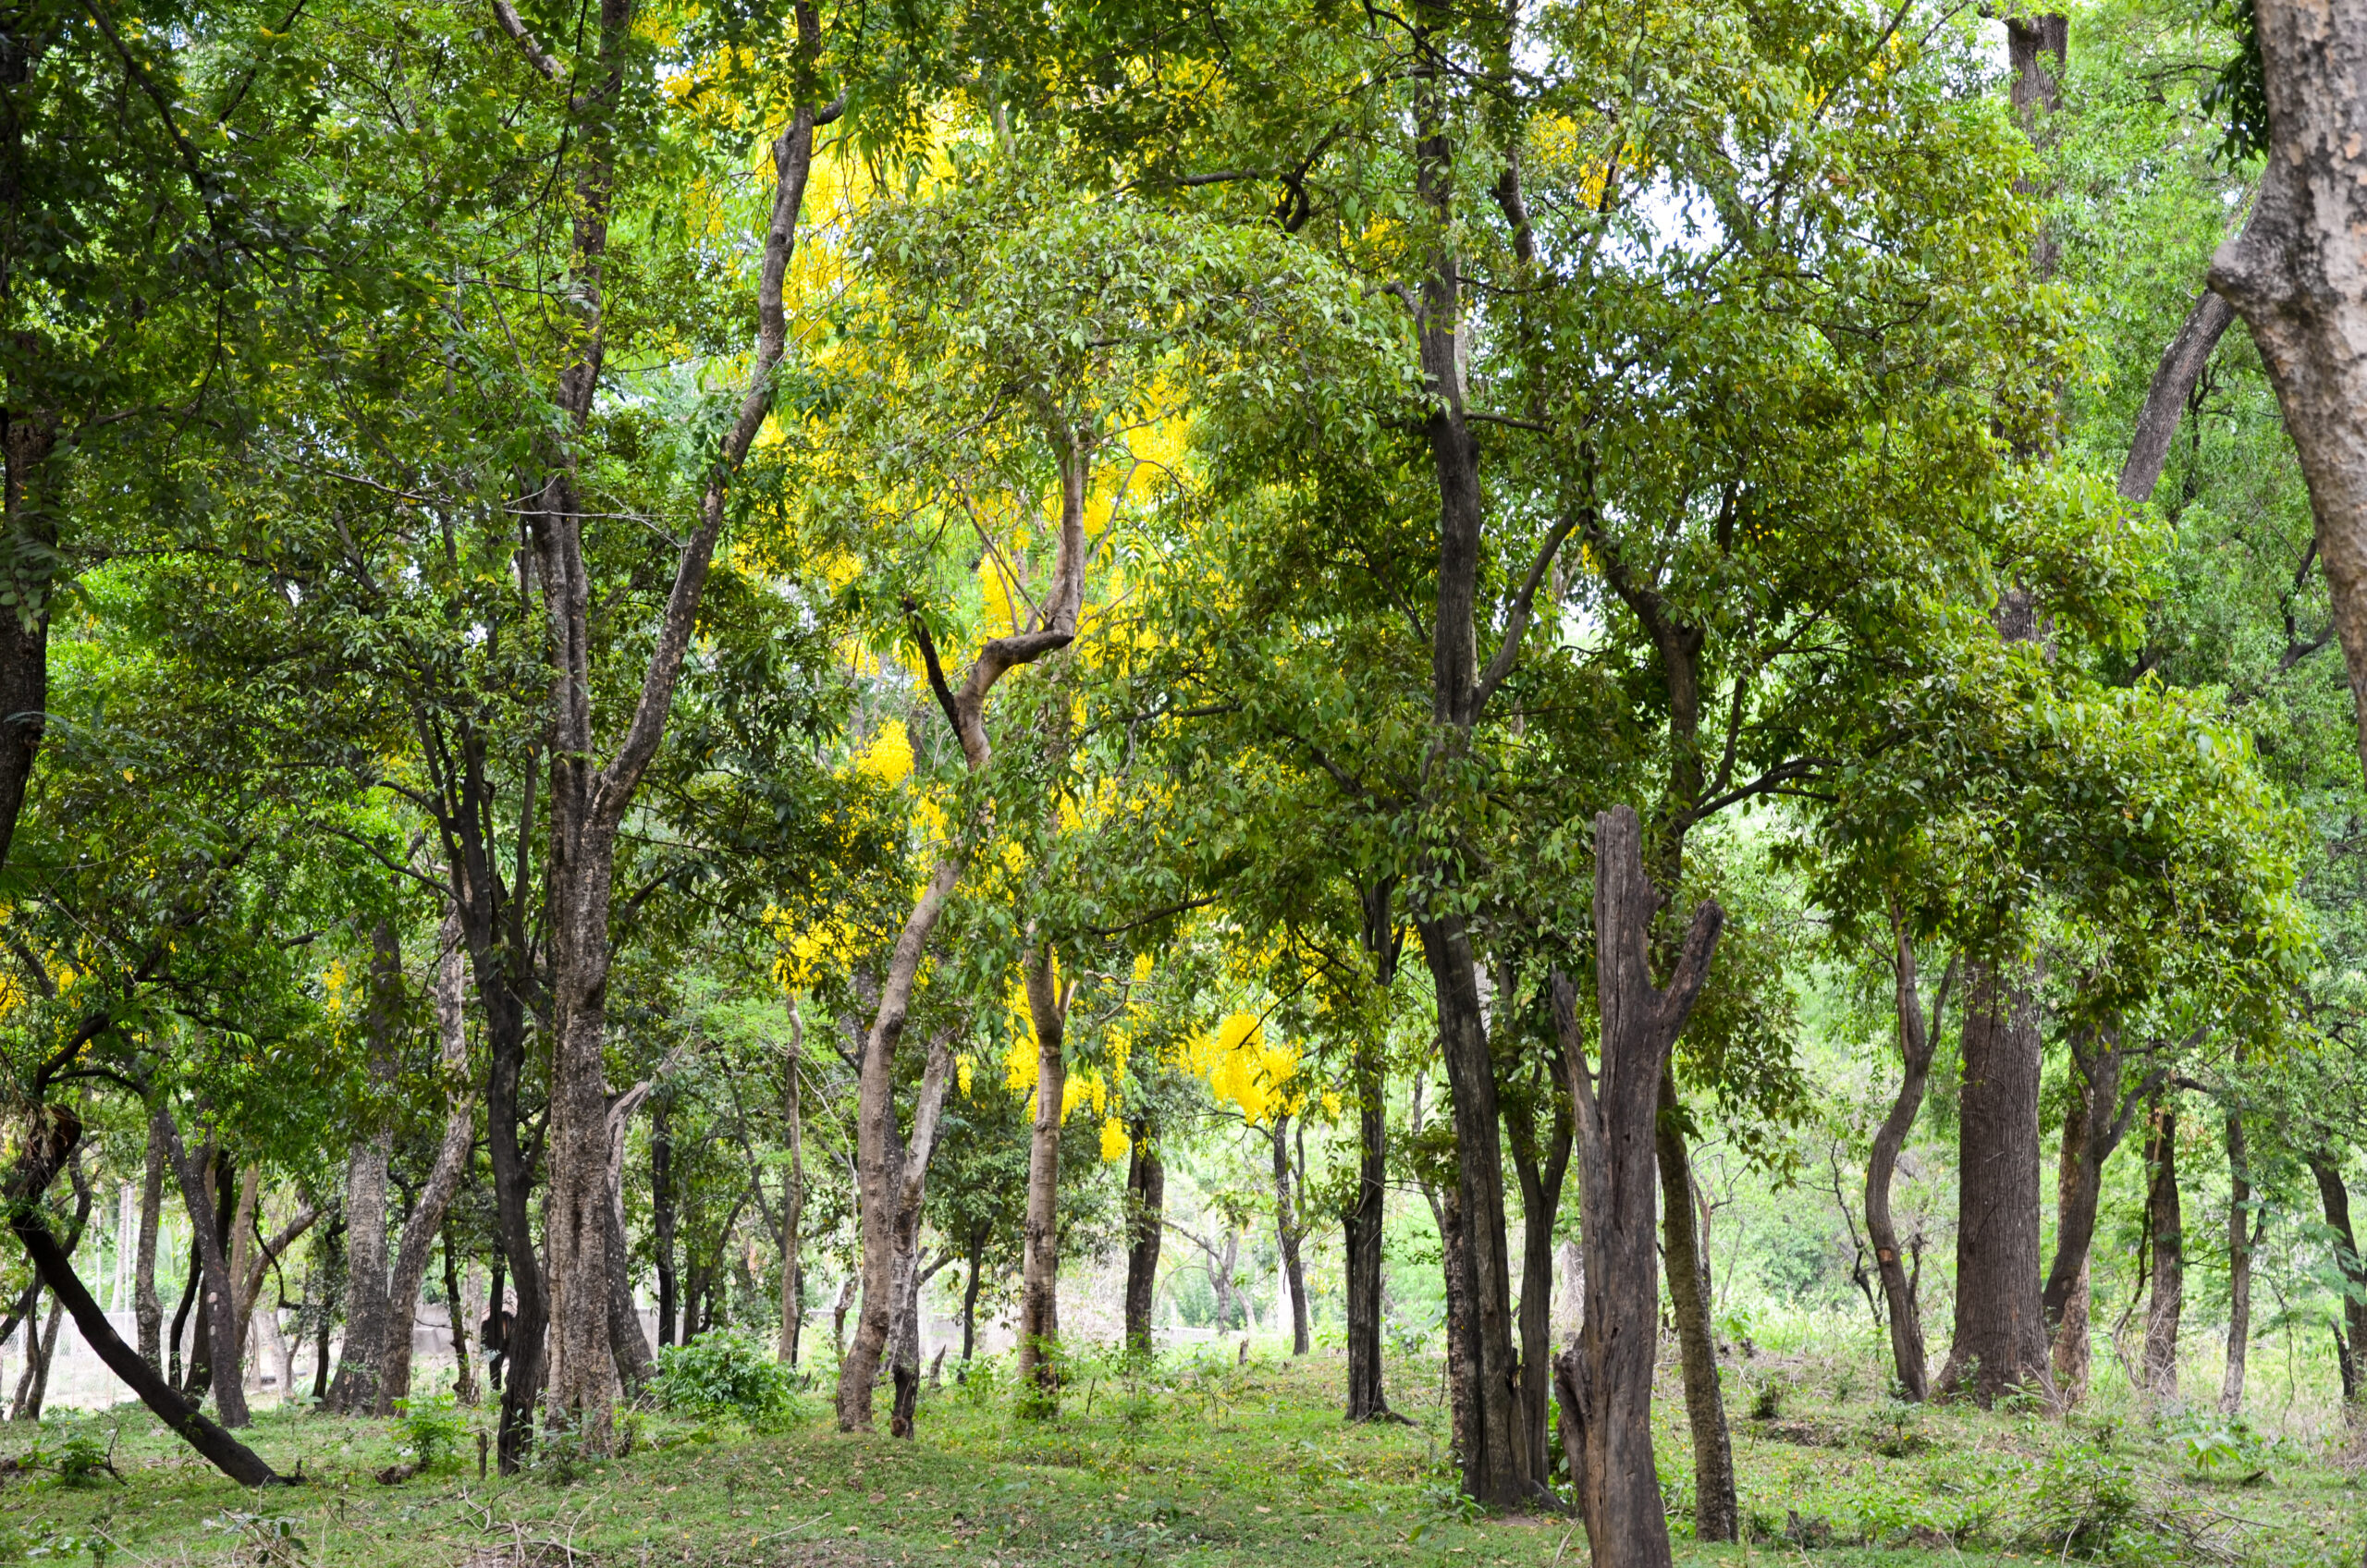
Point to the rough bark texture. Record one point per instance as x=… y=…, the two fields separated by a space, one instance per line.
x=1717 y=1515
x=146 y=1309
x=1455 y=1262
x=1146 y=1223
x=589 y=799
x=45 y=1148
x=1604 y=1384
x=965 y=707
x=2239 y=1264
x=1999 y=1343
x=27 y=438
x=661 y=1210
x=2166 y=1218
x=426 y=1221
x=626 y=1340
x=361 y=1366
x=1039 y=1324
x=2297 y=276
x=1366 y=1217
x=2334 y=1199
x=1909 y=1360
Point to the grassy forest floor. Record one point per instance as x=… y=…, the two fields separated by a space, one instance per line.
x=1200 y=1462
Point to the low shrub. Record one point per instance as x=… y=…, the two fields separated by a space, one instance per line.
x=724 y=1372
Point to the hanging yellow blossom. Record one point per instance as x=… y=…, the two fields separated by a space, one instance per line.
x=1115 y=1145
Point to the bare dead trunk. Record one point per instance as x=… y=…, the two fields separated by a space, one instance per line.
x=1604 y=1385
x=1146 y=1224
x=2298 y=275
x=426 y=1221
x=361 y=1367
x=1717 y=1517
x=1039 y=1325
x=149 y=1311
x=1909 y=1360
x=2166 y=1218
x=2000 y=1342
x=2239 y=1264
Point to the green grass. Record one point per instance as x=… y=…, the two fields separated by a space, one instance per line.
x=1196 y=1463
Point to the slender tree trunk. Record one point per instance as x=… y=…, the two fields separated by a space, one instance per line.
x=891 y=1193
x=2297 y=276
x=1286 y=1234
x=180 y=1314
x=34 y=1389
x=1916 y=1042
x=2335 y=1198
x=426 y=1221
x=1462 y=1357
x=2166 y=1218
x=146 y=1309
x=464 y=1381
x=1540 y=1172
x=970 y=1294
x=361 y=1369
x=1146 y=1223
x=1604 y=1385
x=45 y=1148
x=2001 y=1340
x=1039 y=1326
x=1367 y=1217
x=2239 y=1263
x=2094 y=1124
x=2173 y=382
x=630 y=1346
x=875 y=1105
x=792 y=1197
x=661 y=1209
x=1717 y=1517
x=220 y=1289
x=27 y=438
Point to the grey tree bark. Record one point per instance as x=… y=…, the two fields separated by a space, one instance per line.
x=2334 y=1198
x=1146 y=1222
x=1604 y=1384
x=2165 y=1217
x=1365 y=1218
x=2297 y=276
x=876 y=1174
x=359 y=1368
x=1910 y=1361
x=2171 y=388
x=426 y=1221
x=220 y=1290
x=1717 y=1513
x=2240 y=1262
x=2094 y=1124
x=1039 y=1305
x=147 y=1310
x=792 y=1197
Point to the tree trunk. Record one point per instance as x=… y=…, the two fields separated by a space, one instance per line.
x=1604 y=1384
x=2166 y=1218
x=589 y=800
x=1540 y=1172
x=1462 y=1359
x=630 y=1346
x=2000 y=1342
x=2240 y=1263
x=2298 y=275
x=426 y=1221
x=1287 y=1231
x=2173 y=382
x=1039 y=1325
x=875 y=1103
x=661 y=1209
x=892 y=1194
x=218 y=1303
x=2094 y=1124
x=1146 y=1223
x=361 y=1367
x=27 y=438
x=2335 y=1200
x=970 y=1294
x=463 y=1310
x=148 y=1311
x=792 y=1197
x=1910 y=1361
x=45 y=1148
x=1367 y=1217
x=1717 y=1517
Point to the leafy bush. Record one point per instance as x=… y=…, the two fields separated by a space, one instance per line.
x=433 y=1430
x=724 y=1373
x=2086 y=1506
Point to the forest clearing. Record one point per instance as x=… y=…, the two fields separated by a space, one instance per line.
x=1527 y=781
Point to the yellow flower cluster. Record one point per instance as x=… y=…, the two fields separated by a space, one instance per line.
x=1240 y=1065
